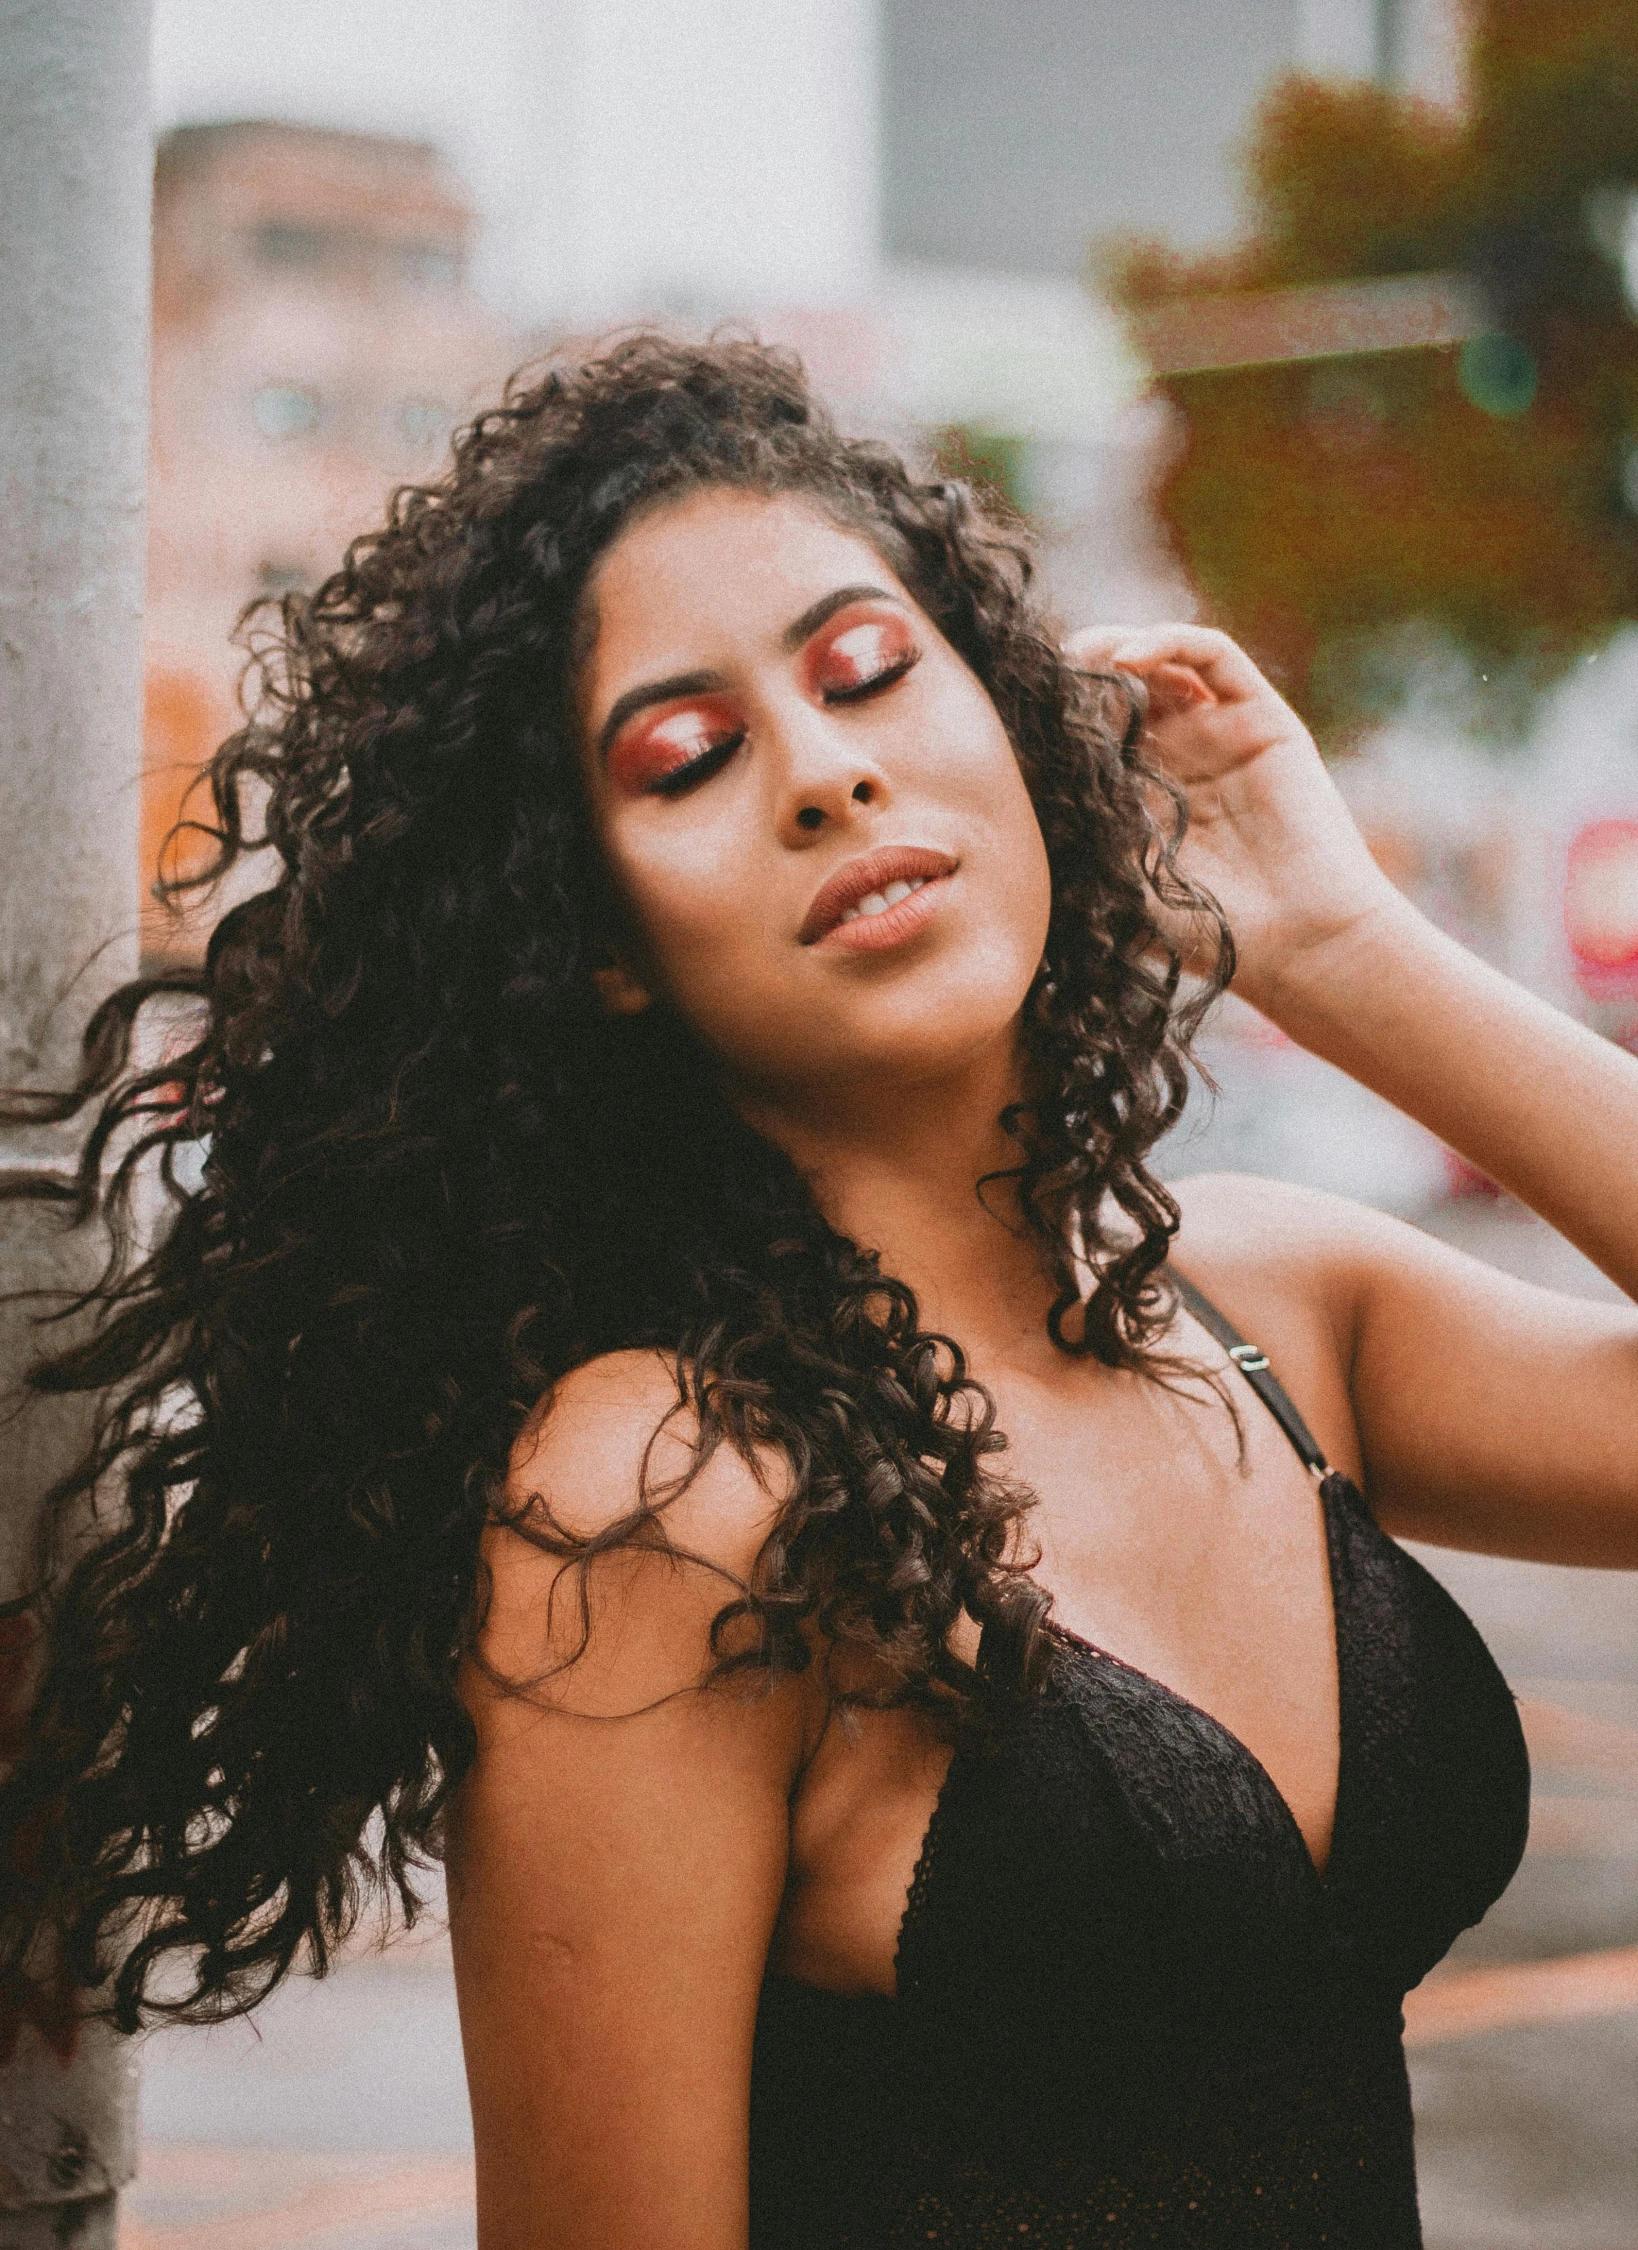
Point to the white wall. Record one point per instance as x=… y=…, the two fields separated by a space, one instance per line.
x=705 y=155
x=1421 y=45
x=1338 y=38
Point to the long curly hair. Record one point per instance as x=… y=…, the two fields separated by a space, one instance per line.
x=411 y=1173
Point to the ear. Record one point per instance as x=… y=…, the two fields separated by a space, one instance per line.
x=620 y=992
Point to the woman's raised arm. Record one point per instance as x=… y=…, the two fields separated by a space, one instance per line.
x=1490 y=1414
x=614 y=1880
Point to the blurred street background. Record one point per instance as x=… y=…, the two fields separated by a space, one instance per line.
x=1315 y=318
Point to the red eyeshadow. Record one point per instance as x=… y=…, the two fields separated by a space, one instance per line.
x=854 y=649
x=660 y=743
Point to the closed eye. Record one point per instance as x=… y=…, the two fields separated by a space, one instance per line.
x=856 y=691
x=682 y=778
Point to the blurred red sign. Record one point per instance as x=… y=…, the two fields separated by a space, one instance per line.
x=1601 y=907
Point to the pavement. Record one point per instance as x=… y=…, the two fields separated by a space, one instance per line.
x=337 y=2118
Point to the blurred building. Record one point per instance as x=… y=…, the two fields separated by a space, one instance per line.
x=315 y=341
x=907 y=191
x=723 y=158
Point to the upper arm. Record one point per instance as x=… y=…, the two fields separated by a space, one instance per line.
x=1480 y=1410
x=617 y=1857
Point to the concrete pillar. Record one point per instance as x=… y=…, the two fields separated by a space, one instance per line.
x=75 y=169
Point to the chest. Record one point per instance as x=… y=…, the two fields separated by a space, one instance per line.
x=1188 y=1548
x=1183 y=1536
x=1122 y=1835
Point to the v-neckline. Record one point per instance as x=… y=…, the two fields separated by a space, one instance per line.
x=1236 y=1743
x=1328 y=1492
x=1332 y=1485
x=1333 y=1481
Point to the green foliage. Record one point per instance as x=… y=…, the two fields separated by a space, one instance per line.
x=992 y=464
x=1487 y=493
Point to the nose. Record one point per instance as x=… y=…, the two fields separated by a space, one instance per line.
x=829 y=778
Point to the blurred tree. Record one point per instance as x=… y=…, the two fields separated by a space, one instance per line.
x=992 y=464
x=1484 y=494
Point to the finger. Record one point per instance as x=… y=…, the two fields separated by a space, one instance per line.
x=1093 y=647
x=1220 y=664
x=1171 y=686
x=1175 y=687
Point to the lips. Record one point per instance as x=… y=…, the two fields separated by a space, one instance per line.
x=869 y=875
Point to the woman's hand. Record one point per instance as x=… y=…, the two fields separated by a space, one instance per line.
x=1268 y=834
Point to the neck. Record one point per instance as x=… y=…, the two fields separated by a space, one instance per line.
x=897 y=1170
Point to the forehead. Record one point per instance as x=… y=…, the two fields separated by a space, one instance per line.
x=719 y=572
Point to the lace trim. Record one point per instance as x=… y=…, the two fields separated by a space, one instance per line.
x=915 y=1903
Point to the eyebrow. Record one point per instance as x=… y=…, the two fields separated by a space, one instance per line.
x=655 y=691
x=799 y=630
x=824 y=609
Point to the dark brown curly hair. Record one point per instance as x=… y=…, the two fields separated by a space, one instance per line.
x=414 y=1174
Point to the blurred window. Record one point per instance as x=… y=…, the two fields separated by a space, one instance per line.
x=281 y=578
x=279 y=243
x=285 y=410
x=1611 y=213
x=421 y=422
x=429 y=265
x=1628 y=475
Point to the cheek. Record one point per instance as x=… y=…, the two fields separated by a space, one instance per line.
x=1025 y=880
x=689 y=900
x=985 y=774
x=1016 y=875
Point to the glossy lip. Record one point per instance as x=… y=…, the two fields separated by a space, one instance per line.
x=872 y=871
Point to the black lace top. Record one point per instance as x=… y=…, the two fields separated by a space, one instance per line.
x=1129 y=2009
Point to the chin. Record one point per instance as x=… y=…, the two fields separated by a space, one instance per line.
x=941 y=1030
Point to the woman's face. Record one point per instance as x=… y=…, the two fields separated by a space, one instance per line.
x=811 y=811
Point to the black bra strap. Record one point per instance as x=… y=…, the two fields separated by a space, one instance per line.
x=1253 y=1365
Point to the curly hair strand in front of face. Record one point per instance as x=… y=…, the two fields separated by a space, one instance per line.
x=436 y=1177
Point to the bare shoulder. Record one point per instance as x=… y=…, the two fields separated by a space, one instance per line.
x=1293 y=1269
x=1268 y=1243
x=621 y=1427
x=610 y=1455
x=619 y=1845
x=1269 y=1236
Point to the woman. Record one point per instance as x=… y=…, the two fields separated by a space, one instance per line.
x=676 y=1384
